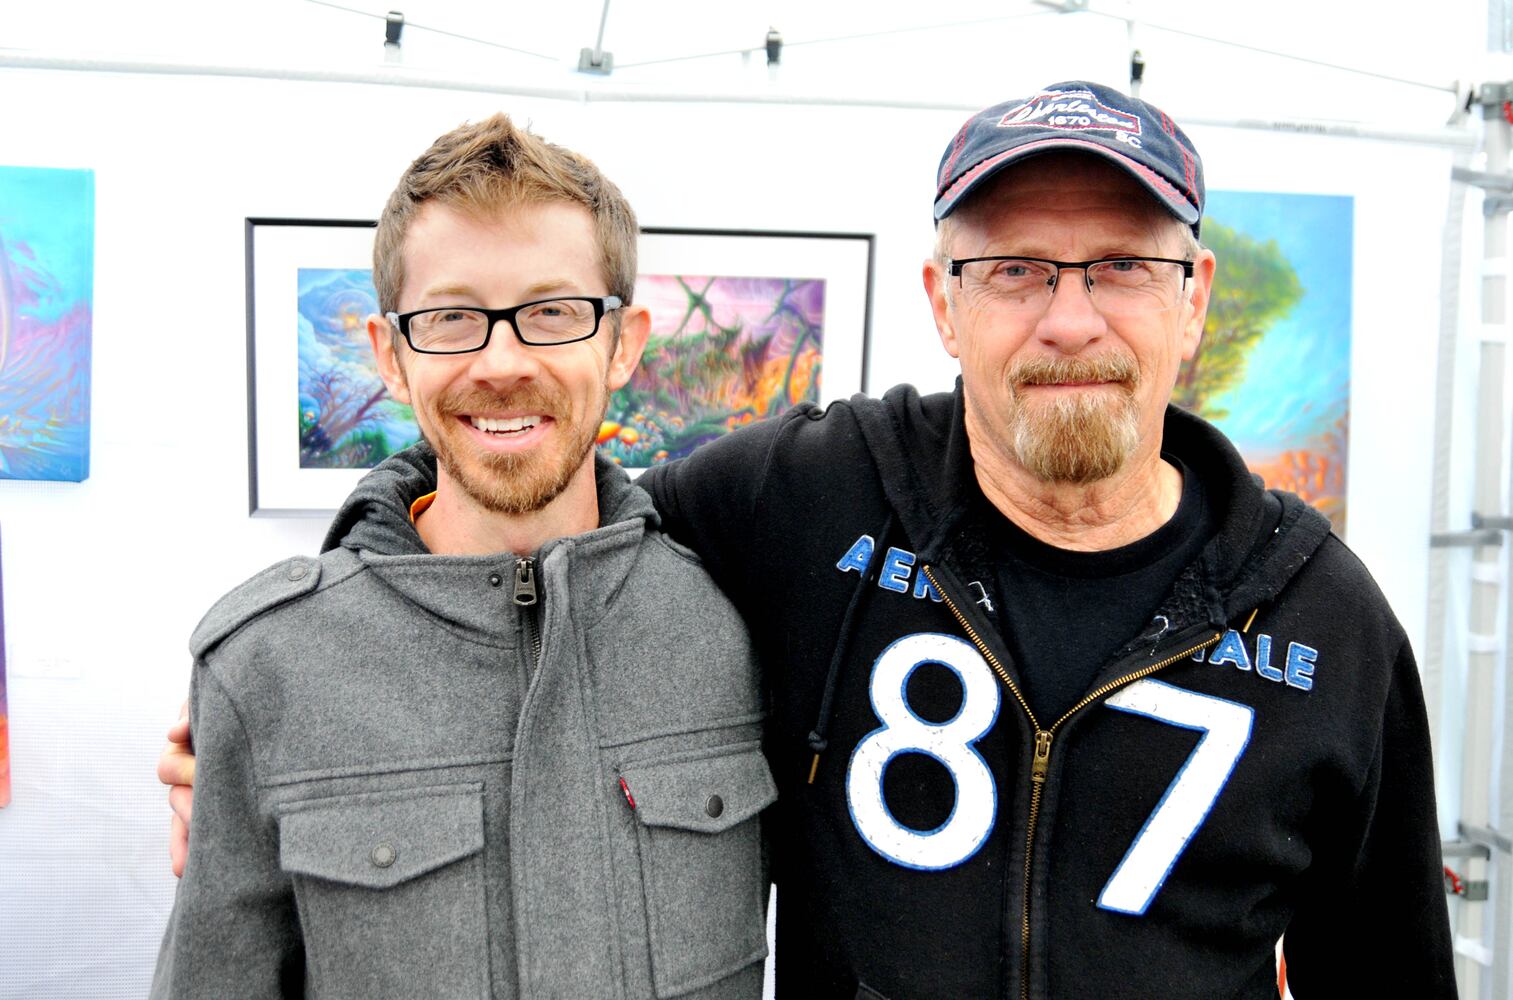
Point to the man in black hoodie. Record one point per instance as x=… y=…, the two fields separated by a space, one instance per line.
x=1064 y=704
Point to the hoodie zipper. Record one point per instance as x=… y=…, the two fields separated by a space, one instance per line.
x=526 y=597
x=1040 y=765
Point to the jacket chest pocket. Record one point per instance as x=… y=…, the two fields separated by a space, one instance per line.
x=390 y=889
x=701 y=868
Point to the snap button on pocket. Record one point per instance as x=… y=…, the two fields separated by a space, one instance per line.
x=383 y=855
x=714 y=806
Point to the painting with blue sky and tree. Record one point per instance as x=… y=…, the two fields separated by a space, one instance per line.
x=1273 y=370
x=46 y=318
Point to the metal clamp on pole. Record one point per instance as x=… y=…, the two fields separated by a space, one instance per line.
x=394 y=26
x=1464 y=539
x=1490 y=95
x=1485 y=836
x=596 y=60
x=1497 y=189
x=1485 y=530
x=1482 y=179
x=1460 y=848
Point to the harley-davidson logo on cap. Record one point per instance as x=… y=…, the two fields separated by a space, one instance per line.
x=1070 y=109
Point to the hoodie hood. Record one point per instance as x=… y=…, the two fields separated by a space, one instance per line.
x=376 y=516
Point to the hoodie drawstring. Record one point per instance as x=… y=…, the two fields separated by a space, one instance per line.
x=817 y=739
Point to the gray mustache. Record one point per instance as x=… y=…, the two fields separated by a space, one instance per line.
x=1048 y=371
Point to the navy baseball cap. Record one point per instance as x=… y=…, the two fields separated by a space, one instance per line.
x=1077 y=116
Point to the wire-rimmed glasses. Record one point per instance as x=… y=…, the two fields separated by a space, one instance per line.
x=1118 y=285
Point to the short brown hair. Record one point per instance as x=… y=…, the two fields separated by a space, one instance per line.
x=486 y=167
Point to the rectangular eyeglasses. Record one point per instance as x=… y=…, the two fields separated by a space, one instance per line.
x=544 y=323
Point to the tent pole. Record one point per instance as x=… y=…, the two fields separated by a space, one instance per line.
x=1482 y=967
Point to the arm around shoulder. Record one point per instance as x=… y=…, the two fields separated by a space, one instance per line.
x=707 y=501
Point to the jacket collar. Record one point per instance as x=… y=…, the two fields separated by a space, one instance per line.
x=476 y=593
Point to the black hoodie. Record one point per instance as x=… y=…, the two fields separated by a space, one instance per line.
x=1257 y=765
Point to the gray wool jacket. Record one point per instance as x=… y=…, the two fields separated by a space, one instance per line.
x=398 y=796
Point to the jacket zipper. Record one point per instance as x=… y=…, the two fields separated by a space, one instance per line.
x=1040 y=766
x=526 y=597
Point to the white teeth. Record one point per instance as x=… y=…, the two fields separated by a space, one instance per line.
x=505 y=426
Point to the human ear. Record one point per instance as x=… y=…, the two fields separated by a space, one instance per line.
x=1197 y=303
x=381 y=337
x=937 y=283
x=635 y=328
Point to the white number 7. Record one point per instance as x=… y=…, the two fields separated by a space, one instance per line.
x=1225 y=726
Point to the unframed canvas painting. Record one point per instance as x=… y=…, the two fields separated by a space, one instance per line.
x=1273 y=370
x=46 y=309
x=5 y=733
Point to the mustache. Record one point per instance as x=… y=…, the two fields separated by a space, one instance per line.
x=531 y=398
x=1050 y=371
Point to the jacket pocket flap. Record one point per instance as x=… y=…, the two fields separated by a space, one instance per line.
x=705 y=795
x=380 y=839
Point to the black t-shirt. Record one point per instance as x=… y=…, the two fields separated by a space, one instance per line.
x=1065 y=613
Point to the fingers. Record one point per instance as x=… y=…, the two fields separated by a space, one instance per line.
x=176 y=769
x=176 y=765
x=178 y=845
x=176 y=762
x=181 y=801
x=179 y=731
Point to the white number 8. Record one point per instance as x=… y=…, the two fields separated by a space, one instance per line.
x=949 y=742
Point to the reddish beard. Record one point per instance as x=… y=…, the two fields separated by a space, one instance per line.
x=1078 y=436
x=518 y=482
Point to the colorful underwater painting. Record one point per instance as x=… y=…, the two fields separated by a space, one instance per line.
x=1273 y=370
x=46 y=319
x=347 y=419
x=724 y=352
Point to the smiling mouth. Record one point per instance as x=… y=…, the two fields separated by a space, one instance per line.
x=505 y=426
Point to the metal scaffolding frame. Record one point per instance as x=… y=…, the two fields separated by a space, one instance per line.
x=1481 y=855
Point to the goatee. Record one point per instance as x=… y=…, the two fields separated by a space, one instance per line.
x=517 y=482
x=1077 y=436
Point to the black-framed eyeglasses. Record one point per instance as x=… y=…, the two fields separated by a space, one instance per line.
x=543 y=323
x=1116 y=284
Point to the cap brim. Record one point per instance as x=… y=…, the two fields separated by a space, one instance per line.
x=1164 y=191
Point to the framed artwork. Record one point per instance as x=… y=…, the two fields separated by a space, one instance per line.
x=317 y=412
x=1273 y=368
x=744 y=325
x=46 y=320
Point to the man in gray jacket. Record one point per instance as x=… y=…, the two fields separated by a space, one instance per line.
x=463 y=753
